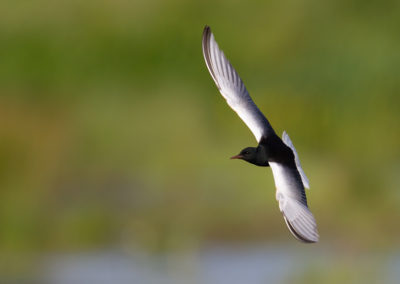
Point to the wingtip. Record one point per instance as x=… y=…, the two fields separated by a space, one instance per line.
x=310 y=240
x=206 y=42
x=206 y=31
x=205 y=37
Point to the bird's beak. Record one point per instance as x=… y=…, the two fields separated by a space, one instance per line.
x=237 y=157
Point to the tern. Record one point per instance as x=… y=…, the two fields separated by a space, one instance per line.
x=272 y=151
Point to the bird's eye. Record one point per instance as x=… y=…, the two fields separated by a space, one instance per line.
x=246 y=152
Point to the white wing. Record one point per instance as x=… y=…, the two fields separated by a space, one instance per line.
x=293 y=203
x=288 y=142
x=232 y=88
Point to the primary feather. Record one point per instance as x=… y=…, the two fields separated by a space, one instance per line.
x=232 y=88
x=292 y=201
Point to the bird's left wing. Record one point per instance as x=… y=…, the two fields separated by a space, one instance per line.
x=232 y=88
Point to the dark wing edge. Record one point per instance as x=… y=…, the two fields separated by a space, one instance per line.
x=206 y=52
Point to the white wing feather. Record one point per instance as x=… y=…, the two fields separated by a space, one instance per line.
x=232 y=88
x=293 y=203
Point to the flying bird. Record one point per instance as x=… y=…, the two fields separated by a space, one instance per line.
x=272 y=151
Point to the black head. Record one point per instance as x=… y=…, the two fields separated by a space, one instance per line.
x=252 y=155
x=248 y=154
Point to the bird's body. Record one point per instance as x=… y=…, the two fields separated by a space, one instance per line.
x=272 y=151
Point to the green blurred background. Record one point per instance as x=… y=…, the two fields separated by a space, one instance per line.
x=114 y=137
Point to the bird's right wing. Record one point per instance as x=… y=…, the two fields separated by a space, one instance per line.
x=293 y=203
x=232 y=88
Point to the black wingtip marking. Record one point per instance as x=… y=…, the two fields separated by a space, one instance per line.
x=206 y=52
x=206 y=36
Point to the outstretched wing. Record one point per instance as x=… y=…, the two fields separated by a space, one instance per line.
x=288 y=142
x=293 y=202
x=232 y=88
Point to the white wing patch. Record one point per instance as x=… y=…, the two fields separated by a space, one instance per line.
x=288 y=142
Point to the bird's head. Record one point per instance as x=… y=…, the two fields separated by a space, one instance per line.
x=248 y=154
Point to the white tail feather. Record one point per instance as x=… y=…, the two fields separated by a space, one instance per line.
x=288 y=142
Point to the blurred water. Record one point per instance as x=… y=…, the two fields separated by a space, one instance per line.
x=222 y=264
